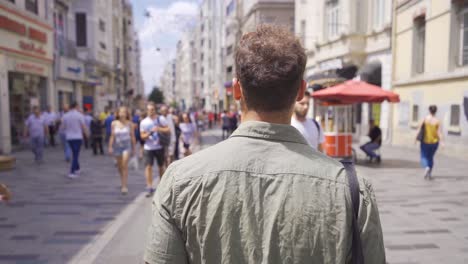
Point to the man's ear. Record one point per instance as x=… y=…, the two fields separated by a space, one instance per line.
x=237 y=90
x=302 y=90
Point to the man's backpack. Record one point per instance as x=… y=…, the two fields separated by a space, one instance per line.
x=164 y=138
x=357 y=255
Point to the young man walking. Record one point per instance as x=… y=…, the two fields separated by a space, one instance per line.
x=309 y=128
x=263 y=195
x=74 y=127
x=150 y=128
x=36 y=129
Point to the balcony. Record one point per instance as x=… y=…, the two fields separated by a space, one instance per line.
x=66 y=48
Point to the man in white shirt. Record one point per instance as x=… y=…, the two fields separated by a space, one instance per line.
x=36 y=130
x=149 y=129
x=74 y=127
x=309 y=128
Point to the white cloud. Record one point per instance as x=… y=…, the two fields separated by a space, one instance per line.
x=161 y=30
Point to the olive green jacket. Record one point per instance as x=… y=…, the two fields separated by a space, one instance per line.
x=262 y=196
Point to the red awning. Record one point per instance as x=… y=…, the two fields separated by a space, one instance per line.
x=353 y=91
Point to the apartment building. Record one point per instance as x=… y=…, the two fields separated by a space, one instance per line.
x=26 y=65
x=431 y=68
x=346 y=40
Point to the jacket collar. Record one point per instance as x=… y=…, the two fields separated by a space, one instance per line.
x=269 y=131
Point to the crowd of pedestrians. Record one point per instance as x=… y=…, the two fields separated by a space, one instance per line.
x=153 y=134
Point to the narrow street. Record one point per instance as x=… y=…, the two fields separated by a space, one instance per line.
x=53 y=219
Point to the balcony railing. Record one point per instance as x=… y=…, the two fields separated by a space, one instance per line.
x=66 y=47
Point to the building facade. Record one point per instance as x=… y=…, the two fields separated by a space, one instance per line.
x=94 y=44
x=431 y=59
x=26 y=65
x=168 y=82
x=210 y=54
x=347 y=40
x=186 y=67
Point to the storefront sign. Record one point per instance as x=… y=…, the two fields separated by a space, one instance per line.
x=24 y=36
x=70 y=69
x=31 y=47
x=29 y=68
x=76 y=70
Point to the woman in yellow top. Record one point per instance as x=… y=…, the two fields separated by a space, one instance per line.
x=430 y=141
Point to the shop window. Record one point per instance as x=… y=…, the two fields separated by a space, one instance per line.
x=31 y=6
x=81 y=30
x=419 y=44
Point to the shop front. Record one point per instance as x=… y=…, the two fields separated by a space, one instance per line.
x=26 y=59
x=70 y=80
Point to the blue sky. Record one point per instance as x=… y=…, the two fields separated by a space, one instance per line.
x=167 y=24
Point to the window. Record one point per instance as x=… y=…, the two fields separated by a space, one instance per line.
x=463 y=36
x=202 y=41
x=209 y=44
x=31 y=6
x=202 y=71
x=378 y=13
x=117 y=55
x=202 y=57
x=102 y=45
x=229 y=69
x=11 y=1
x=333 y=19
x=202 y=27
x=229 y=50
x=102 y=25
x=81 y=34
x=415 y=114
x=228 y=31
x=455 y=115
x=230 y=7
x=419 y=44
x=303 y=32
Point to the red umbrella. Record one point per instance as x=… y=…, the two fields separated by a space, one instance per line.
x=354 y=91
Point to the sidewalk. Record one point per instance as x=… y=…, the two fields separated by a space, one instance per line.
x=52 y=217
x=423 y=221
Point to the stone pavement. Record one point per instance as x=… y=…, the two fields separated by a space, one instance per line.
x=128 y=245
x=423 y=221
x=52 y=217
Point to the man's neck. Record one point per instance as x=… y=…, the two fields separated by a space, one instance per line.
x=272 y=117
x=153 y=116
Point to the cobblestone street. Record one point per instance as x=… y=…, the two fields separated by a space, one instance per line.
x=53 y=219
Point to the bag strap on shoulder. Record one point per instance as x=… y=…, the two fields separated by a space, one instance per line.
x=357 y=254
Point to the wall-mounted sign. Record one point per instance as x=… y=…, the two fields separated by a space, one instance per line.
x=31 y=47
x=30 y=68
x=75 y=70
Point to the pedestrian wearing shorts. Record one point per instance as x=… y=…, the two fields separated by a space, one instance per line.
x=153 y=150
x=122 y=144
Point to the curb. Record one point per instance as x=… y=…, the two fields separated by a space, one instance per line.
x=91 y=251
